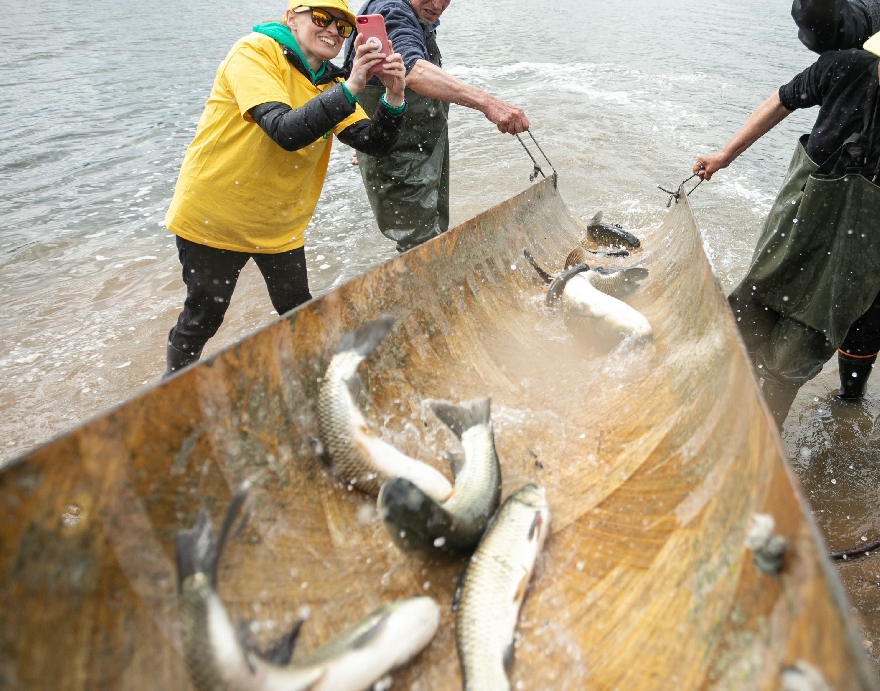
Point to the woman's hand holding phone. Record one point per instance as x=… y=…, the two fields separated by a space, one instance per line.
x=366 y=59
x=393 y=77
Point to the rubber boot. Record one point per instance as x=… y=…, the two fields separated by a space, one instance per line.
x=779 y=399
x=854 y=373
x=176 y=360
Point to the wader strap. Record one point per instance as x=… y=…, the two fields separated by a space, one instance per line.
x=852 y=155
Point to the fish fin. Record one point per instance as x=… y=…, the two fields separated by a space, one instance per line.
x=354 y=386
x=456 y=460
x=635 y=273
x=536 y=523
x=606 y=270
x=279 y=651
x=596 y=220
x=370 y=634
x=365 y=339
x=507 y=659
x=245 y=638
x=543 y=274
x=194 y=548
x=460 y=418
x=521 y=588
x=559 y=283
x=576 y=256
x=459 y=586
x=232 y=512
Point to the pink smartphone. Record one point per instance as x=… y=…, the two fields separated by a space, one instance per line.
x=372 y=28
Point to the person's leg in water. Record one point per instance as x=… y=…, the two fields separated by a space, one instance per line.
x=786 y=354
x=858 y=353
x=286 y=278
x=792 y=356
x=210 y=276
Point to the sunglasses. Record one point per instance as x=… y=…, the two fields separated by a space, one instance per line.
x=323 y=19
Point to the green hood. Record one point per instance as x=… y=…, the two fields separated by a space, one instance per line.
x=281 y=33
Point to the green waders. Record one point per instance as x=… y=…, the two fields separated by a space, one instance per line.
x=816 y=268
x=409 y=188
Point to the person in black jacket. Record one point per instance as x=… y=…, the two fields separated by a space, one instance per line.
x=835 y=24
x=252 y=175
x=814 y=284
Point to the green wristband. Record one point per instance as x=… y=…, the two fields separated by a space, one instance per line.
x=391 y=110
x=352 y=99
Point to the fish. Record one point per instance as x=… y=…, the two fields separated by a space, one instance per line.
x=593 y=316
x=618 y=282
x=610 y=234
x=219 y=660
x=352 y=451
x=454 y=527
x=493 y=587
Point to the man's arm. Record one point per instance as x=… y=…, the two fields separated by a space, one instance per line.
x=769 y=114
x=431 y=81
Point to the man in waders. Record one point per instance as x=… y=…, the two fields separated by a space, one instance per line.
x=815 y=276
x=409 y=189
x=835 y=24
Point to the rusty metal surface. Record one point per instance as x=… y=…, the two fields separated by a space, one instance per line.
x=653 y=459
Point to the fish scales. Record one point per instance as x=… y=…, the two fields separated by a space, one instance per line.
x=355 y=454
x=494 y=587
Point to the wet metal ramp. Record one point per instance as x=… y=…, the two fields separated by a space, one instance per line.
x=654 y=460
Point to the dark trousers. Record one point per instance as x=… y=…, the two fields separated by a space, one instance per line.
x=210 y=276
x=790 y=353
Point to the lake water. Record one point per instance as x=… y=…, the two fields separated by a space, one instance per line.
x=101 y=99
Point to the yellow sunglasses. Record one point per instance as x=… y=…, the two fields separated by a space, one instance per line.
x=323 y=19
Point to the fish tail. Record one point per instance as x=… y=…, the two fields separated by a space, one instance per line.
x=559 y=283
x=460 y=418
x=543 y=274
x=197 y=549
x=364 y=340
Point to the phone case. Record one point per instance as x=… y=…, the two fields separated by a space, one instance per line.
x=372 y=28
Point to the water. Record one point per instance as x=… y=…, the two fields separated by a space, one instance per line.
x=100 y=104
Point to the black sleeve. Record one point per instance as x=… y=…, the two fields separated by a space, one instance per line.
x=810 y=87
x=835 y=24
x=296 y=128
x=374 y=137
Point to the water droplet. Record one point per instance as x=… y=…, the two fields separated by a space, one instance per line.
x=439 y=542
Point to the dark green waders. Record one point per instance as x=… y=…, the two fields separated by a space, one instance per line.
x=409 y=188
x=816 y=269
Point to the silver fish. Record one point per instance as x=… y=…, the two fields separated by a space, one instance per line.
x=610 y=234
x=593 y=316
x=355 y=454
x=618 y=282
x=218 y=660
x=419 y=524
x=494 y=586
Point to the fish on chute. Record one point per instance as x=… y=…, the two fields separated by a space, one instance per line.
x=493 y=588
x=610 y=234
x=594 y=316
x=419 y=524
x=355 y=454
x=218 y=659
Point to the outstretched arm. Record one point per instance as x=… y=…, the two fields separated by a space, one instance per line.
x=769 y=114
x=431 y=81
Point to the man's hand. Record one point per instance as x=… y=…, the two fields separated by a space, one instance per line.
x=507 y=118
x=707 y=166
